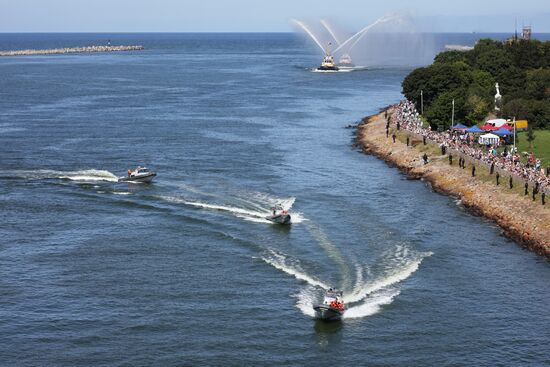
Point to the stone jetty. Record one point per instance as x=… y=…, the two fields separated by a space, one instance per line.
x=71 y=50
x=522 y=219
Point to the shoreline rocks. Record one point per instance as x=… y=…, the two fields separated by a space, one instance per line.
x=71 y=50
x=524 y=221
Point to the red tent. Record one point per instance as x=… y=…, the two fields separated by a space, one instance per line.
x=488 y=127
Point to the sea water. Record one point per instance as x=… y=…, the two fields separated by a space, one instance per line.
x=187 y=271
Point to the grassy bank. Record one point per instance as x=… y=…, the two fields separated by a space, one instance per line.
x=540 y=146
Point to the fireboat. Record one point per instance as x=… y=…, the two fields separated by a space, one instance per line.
x=328 y=63
x=345 y=61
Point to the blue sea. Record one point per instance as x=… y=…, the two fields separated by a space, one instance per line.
x=186 y=271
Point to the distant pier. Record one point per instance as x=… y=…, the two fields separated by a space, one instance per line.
x=71 y=50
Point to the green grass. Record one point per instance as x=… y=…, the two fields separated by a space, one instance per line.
x=540 y=146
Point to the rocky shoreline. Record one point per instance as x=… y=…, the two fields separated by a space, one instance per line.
x=525 y=221
x=71 y=50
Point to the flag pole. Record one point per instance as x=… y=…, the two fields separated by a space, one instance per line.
x=453 y=117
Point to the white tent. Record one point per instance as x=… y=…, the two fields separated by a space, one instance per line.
x=489 y=139
x=497 y=122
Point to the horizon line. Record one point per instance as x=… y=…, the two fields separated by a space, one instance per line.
x=232 y=32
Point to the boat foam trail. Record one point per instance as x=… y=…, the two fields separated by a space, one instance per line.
x=306 y=298
x=372 y=305
x=257 y=216
x=82 y=175
x=279 y=261
x=394 y=276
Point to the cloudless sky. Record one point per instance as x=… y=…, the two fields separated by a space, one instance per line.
x=261 y=15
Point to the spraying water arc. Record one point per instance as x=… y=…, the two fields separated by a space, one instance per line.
x=310 y=33
x=330 y=31
x=359 y=35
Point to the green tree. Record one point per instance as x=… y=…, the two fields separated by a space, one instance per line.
x=476 y=109
x=538 y=84
x=521 y=68
x=436 y=79
x=449 y=57
x=526 y=54
x=440 y=111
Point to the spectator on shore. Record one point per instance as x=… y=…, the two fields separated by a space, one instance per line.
x=425 y=158
x=405 y=115
x=393 y=137
x=526 y=189
x=424 y=139
x=473 y=171
x=498 y=179
x=407 y=140
x=511 y=182
x=450 y=159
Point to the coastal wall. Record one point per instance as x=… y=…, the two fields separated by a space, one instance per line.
x=71 y=50
x=521 y=219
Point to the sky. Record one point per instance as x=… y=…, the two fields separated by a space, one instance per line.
x=263 y=16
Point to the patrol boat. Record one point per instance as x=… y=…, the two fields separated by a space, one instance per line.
x=279 y=215
x=332 y=308
x=138 y=175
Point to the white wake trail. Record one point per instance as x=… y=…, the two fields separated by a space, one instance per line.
x=306 y=298
x=394 y=276
x=279 y=261
x=257 y=216
x=372 y=305
x=82 y=175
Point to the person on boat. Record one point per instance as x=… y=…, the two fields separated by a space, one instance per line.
x=129 y=172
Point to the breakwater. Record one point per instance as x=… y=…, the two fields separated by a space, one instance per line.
x=71 y=50
x=521 y=219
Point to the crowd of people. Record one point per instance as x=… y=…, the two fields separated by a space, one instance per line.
x=405 y=116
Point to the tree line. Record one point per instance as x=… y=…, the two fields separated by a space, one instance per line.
x=521 y=67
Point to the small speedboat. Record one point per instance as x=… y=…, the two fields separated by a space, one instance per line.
x=138 y=175
x=279 y=215
x=332 y=308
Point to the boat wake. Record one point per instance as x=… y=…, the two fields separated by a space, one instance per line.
x=367 y=297
x=396 y=268
x=291 y=267
x=256 y=212
x=82 y=175
x=342 y=69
